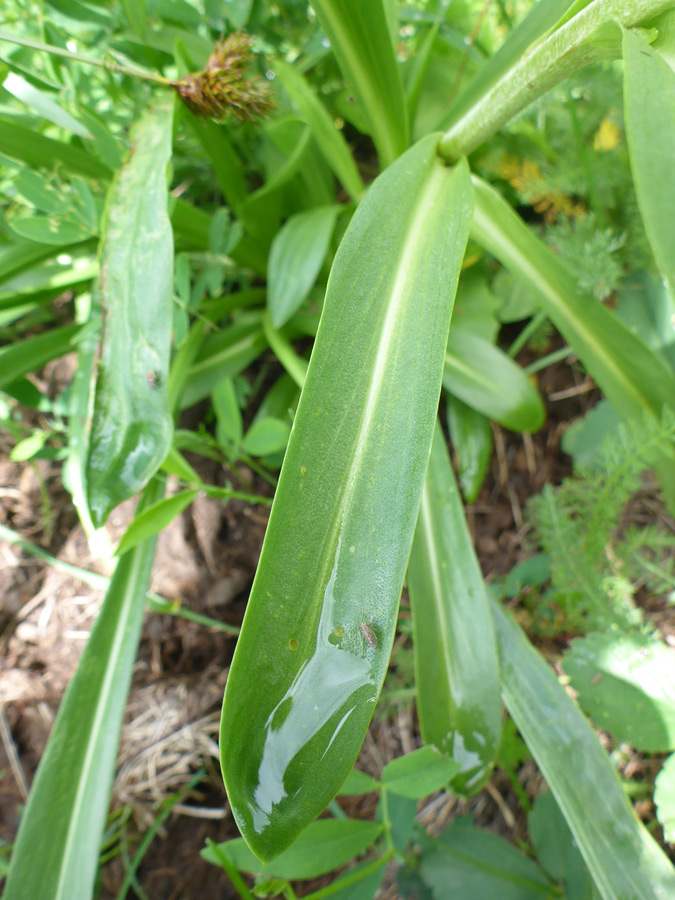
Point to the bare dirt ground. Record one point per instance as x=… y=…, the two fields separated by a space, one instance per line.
x=207 y=558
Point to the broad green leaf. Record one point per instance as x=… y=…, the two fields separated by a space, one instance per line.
x=24 y=356
x=266 y=436
x=626 y=684
x=632 y=376
x=358 y=783
x=39 y=192
x=296 y=257
x=325 y=845
x=649 y=112
x=50 y=230
x=579 y=774
x=70 y=795
x=153 y=519
x=401 y=815
x=419 y=773
x=488 y=380
x=664 y=798
x=556 y=849
x=360 y=40
x=456 y=668
x=132 y=424
x=229 y=425
x=471 y=863
x=329 y=140
x=43 y=104
x=304 y=680
x=471 y=436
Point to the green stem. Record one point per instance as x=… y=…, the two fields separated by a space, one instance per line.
x=341 y=883
x=111 y=66
x=156 y=602
x=567 y=49
x=230 y=870
x=549 y=359
x=148 y=838
x=531 y=328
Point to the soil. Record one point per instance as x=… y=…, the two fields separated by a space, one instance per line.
x=207 y=559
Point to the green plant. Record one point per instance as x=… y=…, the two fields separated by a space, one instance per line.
x=320 y=622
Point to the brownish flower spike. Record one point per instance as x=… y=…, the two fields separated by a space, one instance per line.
x=223 y=88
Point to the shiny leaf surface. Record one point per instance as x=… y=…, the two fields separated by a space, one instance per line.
x=456 y=668
x=305 y=676
x=579 y=774
x=132 y=424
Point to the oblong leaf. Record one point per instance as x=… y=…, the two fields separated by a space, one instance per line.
x=649 y=107
x=624 y=860
x=632 y=376
x=626 y=683
x=132 y=423
x=69 y=797
x=296 y=256
x=456 y=668
x=153 y=519
x=471 y=436
x=488 y=380
x=360 y=39
x=304 y=678
x=324 y=846
x=469 y=862
x=419 y=773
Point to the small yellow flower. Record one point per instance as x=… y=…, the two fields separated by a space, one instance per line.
x=607 y=136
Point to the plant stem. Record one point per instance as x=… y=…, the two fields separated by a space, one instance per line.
x=341 y=883
x=156 y=602
x=111 y=65
x=566 y=49
x=231 y=871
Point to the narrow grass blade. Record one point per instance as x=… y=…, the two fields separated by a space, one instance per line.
x=304 y=678
x=631 y=375
x=41 y=152
x=329 y=140
x=624 y=860
x=132 y=424
x=471 y=437
x=21 y=357
x=456 y=669
x=360 y=39
x=649 y=106
x=488 y=380
x=68 y=803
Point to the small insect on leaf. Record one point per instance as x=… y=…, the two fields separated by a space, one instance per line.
x=368 y=635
